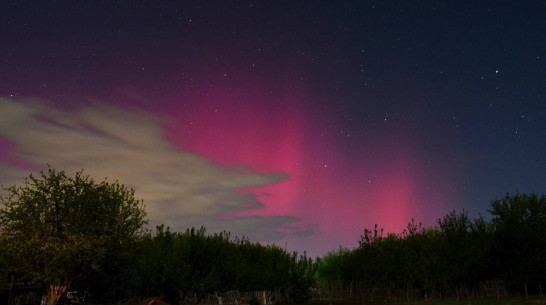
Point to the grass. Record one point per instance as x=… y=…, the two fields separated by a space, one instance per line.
x=510 y=300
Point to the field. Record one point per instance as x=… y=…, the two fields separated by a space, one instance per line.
x=511 y=300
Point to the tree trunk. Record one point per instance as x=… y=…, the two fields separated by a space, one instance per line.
x=55 y=293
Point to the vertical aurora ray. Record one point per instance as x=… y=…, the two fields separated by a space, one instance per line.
x=335 y=193
x=258 y=132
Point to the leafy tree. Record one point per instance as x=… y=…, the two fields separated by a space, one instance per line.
x=335 y=266
x=61 y=229
x=520 y=236
x=456 y=246
x=187 y=266
x=481 y=241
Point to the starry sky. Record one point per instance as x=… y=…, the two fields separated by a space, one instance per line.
x=298 y=123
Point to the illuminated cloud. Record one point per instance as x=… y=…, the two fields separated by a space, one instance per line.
x=180 y=189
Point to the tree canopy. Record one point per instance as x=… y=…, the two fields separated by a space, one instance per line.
x=520 y=243
x=61 y=229
x=456 y=252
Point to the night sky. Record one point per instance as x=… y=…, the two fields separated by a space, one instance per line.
x=298 y=123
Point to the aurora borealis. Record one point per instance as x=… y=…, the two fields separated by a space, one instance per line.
x=291 y=122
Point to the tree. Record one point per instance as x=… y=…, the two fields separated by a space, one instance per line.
x=59 y=229
x=520 y=236
x=455 y=237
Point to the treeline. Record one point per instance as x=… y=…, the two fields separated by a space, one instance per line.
x=72 y=233
x=192 y=264
x=457 y=252
x=184 y=267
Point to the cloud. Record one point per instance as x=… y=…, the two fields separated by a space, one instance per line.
x=257 y=228
x=180 y=189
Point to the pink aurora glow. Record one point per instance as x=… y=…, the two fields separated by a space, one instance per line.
x=335 y=194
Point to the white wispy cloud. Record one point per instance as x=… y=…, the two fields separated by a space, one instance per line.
x=180 y=189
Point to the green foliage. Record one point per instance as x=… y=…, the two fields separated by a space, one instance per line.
x=465 y=248
x=188 y=265
x=457 y=251
x=425 y=258
x=335 y=266
x=520 y=239
x=64 y=230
